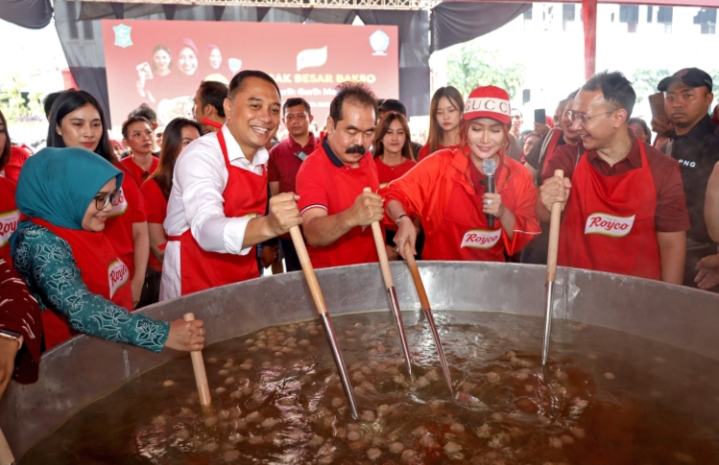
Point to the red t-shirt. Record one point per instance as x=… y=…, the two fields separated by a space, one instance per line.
x=284 y=164
x=18 y=157
x=9 y=216
x=325 y=182
x=136 y=172
x=388 y=173
x=424 y=152
x=118 y=227
x=671 y=213
x=156 y=206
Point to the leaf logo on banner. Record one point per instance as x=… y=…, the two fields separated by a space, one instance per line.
x=311 y=58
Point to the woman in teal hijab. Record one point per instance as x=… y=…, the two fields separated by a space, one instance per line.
x=68 y=262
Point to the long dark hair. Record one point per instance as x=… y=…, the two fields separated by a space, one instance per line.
x=5 y=151
x=435 y=130
x=383 y=127
x=171 y=148
x=66 y=103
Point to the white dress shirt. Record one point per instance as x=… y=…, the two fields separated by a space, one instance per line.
x=196 y=203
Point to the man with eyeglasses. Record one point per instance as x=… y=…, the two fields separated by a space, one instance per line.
x=286 y=159
x=623 y=201
x=687 y=99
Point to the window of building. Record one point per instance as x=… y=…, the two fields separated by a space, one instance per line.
x=707 y=19
x=629 y=14
x=72 y=15
x=528 y=14
x=88 y=33
x=650 y=13
x=664 y=16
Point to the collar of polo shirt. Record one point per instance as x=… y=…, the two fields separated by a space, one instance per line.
x=333 y=158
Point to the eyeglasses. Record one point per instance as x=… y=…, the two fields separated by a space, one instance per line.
x=583 y=118
x=102 y=200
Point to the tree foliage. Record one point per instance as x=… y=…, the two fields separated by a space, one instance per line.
x=646 y=80
x=473 y=66
x=18 y=105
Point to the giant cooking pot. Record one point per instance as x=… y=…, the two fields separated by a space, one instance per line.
x=83 y=369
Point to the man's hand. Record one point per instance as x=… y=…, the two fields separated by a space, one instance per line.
x=708 y=268
x=661 y=128
x=367 y=208
x=8 y=351
x=541 y=129
x=268 y=255
x=554 y=190
x=392 y=253
x=406 y=234
x=283 y=213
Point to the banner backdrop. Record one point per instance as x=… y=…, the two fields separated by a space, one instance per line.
x=162 y=63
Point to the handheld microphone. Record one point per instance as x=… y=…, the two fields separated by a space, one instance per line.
x=489 y=166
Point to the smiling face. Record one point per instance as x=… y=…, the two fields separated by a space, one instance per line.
x=685 y=106
x=448 y=115
x=215 y=58
x=94 y=219
x=139 y=138
x=596 y=120
x=394 y=138
x=81 y=128
x=162 y=60
x=485 y=137
x=187 y=61
x=253 y=114
x=351 y=137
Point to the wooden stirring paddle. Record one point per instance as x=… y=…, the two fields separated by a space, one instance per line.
x=551 y=270
x=198 y=365
x=319 y=300
x=424 y=302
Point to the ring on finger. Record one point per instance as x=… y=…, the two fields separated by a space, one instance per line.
x=489 y=202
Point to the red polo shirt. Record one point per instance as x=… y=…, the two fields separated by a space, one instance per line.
x=388 y=173
x=671 y=213
x=118 y=227
x=424 y=151
x=136 y=172
x=284 y=162
x=156 y=206
x=325 y=182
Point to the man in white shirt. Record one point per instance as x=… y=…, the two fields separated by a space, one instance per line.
x=216 y=211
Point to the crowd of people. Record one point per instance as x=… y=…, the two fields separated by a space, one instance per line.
x=94 y=228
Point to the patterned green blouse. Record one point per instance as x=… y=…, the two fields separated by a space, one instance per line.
x=45 y=261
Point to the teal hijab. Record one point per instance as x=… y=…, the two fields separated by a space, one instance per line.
x=58 y=184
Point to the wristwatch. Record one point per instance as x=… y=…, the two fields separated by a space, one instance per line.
x=399 y=218
x=14 y=335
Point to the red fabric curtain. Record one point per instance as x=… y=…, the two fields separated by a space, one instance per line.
x=589 y=16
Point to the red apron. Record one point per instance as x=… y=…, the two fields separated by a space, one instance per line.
x=609 y=222
x=245 y=195
x=102 y=272
x=464 y=233
x=118 y=229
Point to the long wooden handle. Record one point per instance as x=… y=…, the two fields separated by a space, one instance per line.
x=554 y=235
x=418 y=283
x=308 y=269
x=6 y=457
x=381 y=251
x=198 y=365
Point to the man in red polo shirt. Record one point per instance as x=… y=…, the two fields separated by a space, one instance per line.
x=623 y=201
x=286 y=159
x=335 y=211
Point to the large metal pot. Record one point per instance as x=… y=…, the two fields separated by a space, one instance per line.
x=83 y=369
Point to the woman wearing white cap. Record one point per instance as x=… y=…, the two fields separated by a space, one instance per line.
x=463 y=220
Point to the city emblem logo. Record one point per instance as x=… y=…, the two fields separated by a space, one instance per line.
x=122 y=36
x=379 y=41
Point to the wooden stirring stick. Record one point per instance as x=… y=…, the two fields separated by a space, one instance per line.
x=391 y=291
x=6 y=457
x=198 y=364
x=553 y=250
x=319 y=300
x=424 y=302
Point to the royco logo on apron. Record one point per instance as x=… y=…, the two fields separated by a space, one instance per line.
x=609 y=225
x=121 y=206
x=8 y=225
x=481 y=239
x=117 y=275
